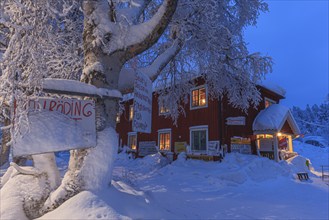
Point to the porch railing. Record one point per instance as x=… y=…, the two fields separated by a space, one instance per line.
x=325 y=172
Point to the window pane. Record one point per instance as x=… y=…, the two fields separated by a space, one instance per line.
x=164 y=110
x=167 y=141
x=131 y=112
x=161 y=142
x=164 y=141
x=199 y=140
x=202 y=95
x=132 y=141
x=195 y=97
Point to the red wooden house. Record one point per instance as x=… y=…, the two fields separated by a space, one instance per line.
x=212 y=127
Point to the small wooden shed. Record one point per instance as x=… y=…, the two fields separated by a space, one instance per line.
x=275 y=128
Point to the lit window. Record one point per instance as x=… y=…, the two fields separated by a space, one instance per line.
x=164 y=140
x=163 y=110
x=117 y=119
x=132 y=140
x=199 y=97
x=199 y=138
x=269 y=102
x=131 y=112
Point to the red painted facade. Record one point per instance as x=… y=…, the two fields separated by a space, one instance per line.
x=214 y=116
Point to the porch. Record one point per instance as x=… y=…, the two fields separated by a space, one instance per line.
x=275 y=129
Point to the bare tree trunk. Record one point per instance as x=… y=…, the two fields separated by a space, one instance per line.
x=101 y=70
x=5 y=149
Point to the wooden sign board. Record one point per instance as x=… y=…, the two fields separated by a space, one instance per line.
x=142 y=104
x=241 y=145
x=241 y=148
x=180 y=147
x=266 y=144
x=56 y=125
x=241 y=120
x=240 y=140
x=213 y=147
x=147 y=148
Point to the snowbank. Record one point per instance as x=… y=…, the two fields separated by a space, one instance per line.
x=317 y=155
x=85 y=205
x=241 y=187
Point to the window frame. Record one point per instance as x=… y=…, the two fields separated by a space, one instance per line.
x=128 y=141
x=191 y=97
x=199 y=128
x=165 y=131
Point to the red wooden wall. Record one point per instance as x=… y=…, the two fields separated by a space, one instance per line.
x=214 y=116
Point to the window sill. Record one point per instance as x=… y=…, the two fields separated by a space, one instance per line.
x=198 y=107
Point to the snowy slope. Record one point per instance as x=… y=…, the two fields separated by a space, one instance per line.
x=242 y=187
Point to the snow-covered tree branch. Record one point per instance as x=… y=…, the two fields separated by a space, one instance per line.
x=127 y=75
x=103 y=43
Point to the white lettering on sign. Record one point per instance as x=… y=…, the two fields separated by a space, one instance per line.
x=56 y=125
x=142 y=104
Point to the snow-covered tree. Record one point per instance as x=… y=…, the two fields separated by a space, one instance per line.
x=104 y=43
x=313 y=120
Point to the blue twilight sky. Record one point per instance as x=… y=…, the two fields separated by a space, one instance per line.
x=295 y=34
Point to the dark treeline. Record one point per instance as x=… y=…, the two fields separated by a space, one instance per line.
x=313 y=120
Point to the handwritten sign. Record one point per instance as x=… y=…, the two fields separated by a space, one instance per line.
x=56 y=125
x=283 y=143
x=146 y=148
x=142 y=104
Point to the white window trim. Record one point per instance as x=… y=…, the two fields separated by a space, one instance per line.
x=191 y=97
x=199 y=128
x=270 y=100
x=132 y=134
x=162 y=131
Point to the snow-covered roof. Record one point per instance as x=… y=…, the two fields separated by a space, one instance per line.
x=272 y=119
x=273 y=87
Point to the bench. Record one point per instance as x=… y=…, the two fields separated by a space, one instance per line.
x=302 y=176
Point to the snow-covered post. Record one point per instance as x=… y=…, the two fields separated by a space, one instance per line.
x=290 y=148
x=276 y=145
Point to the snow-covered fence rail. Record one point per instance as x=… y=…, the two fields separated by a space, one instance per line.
x=325 y=172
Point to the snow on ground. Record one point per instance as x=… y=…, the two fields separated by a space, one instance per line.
x=241 y=187
x=318 y=156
